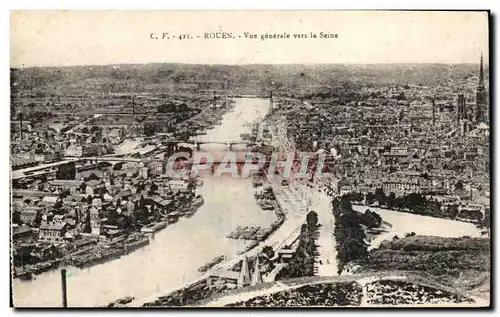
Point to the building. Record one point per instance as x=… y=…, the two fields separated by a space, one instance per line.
x=401 y=187
x=144 y=172
x=19 y=232
x=95 y=187
x=66 y=184
x=95 y=221
x=19 y=163
x=81 y=150
x=47 y=157
x=74 y=151
x=178 y=184
x=230 y=277
x=461 y=108
x=480 y=115
x=52 y=231
x=157 y=167
x=30 y=215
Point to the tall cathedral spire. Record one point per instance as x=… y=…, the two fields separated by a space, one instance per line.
x=481 y=96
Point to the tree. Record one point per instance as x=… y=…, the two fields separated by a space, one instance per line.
x=149 y=129
x=66 y=171
x=345 y=204
x=312 y=219
x=118 y=166
x=452 y=211
x=390 y=200
x=459 y=186
x=380 y=196
x=370 y=198
x=268 y=252
x=153 y=187
x=371 y=219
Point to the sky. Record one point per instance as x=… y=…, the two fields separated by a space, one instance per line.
x=66 y=38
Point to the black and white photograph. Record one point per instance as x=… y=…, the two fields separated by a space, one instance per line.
x=250 y=159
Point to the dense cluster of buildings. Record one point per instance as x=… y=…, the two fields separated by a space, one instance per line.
x=403 y=139
x=89 y=184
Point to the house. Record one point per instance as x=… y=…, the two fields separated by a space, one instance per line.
x=123 y=195
x=32 y=193
x=18 y=163
x=63 y=184
x=285 y=255
x=29 y=215
x=52 y=230
x=344 y=190
x=227 y=276
x=47 y=157
x=81 y=150
x=95 y=187
x=178 y=184
x=19 y=232
x=74 y=151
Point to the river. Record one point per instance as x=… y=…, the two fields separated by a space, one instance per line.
x=175 y=253
x=403 y=223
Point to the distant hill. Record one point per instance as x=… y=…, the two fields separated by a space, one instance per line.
x=168 y=77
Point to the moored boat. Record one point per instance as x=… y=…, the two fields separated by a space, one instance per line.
x=211 y=263
x=154 y=227
x=198 y=201
x=134 y=245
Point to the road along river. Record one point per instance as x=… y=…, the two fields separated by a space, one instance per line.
x=175 y=253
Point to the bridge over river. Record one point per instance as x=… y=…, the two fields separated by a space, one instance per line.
x=175 y=253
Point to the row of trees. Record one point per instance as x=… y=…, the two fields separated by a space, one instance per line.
x=302 y=263
x=414 y=203
x=350 y=236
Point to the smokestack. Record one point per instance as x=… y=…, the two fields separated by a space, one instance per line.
x=64 y=291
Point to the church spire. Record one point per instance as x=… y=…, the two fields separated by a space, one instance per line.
x=481 y=96
x=481 y=74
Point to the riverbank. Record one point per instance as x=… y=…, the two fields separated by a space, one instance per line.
x=175 y=254
x=265 y=198
x=406 y=223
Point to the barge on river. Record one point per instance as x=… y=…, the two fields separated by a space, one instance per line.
x=211 y=264
x=153 y=227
